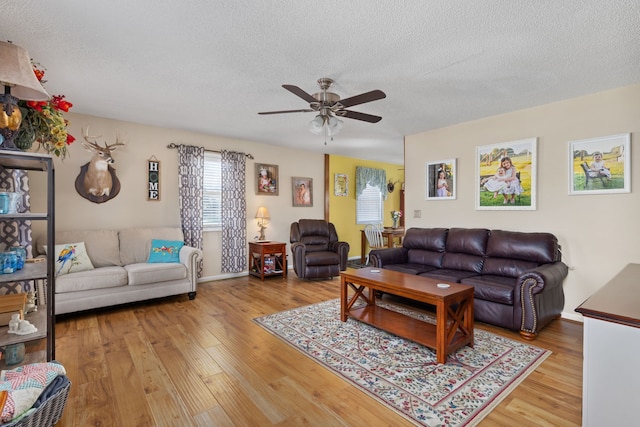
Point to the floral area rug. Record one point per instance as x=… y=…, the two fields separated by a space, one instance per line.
x=404 y=375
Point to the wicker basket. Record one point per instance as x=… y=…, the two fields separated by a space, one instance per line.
x=48 y=413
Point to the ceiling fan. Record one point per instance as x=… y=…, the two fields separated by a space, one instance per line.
x=329 y=106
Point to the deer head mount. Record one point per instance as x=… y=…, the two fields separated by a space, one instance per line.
x=97 y=180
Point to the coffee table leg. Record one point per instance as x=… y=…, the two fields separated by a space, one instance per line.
x=441 y=332
x=343 y=299
x=468 y=319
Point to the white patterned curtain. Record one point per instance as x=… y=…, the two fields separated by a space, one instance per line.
x=373 y=177
x=234 y=212
x=191 y=178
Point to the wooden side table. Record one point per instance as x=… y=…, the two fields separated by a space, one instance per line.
x=267 y=259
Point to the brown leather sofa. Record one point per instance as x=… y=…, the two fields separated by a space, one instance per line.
x=316 y=251
x=517 y=277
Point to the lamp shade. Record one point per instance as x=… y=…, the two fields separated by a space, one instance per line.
x=16 y=72
x=316 y=125
x=335 y=125
x=262 y=213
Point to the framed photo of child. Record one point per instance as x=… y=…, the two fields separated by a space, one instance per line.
x=506 y=175
x=600 y=165
x=302 y=191
x=441 y=180
x=267 y=180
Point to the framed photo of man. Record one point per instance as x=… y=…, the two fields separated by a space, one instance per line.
x=506 y=175
x=600 y=165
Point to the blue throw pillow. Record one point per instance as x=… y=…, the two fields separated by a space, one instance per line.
x=165 y=250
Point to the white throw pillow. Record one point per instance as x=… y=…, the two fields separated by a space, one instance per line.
x=71 y=258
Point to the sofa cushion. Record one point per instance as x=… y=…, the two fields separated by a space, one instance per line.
x=430 y=239
x=506 y=267
x=537 y=247
x=427 y=258
x=322 y=258
x=465 y=249
x=409 y=268
x=135 y=243
x=103 y=277
x=448 y=275
x=145 y=273
x=102 y=246
x=463 y=262
x=71 y=258
x=165 y=251
x=492 y=288
x=471 y=241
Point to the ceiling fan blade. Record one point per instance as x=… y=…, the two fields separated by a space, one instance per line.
x=360 y=116
x=307 y=110
x=299 y=92
x=374 y=95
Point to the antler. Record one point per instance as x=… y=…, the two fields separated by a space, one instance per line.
x=92 y=145
x=118 y=142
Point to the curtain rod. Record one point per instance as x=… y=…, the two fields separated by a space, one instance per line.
x=172 y=145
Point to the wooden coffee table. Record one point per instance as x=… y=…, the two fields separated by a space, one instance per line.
x=454 y=307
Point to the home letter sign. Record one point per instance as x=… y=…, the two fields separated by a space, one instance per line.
x=154 y=179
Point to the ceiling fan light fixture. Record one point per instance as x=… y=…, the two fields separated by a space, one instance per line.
x=335 y=125
x=316 y=125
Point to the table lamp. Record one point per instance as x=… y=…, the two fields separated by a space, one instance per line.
x=262 y=214
x=19 y=81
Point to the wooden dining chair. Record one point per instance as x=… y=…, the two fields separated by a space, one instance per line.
x=373 y=233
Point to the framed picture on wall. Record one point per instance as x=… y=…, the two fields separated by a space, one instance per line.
x=441 y=180
x=600 y=165
x=302 y=191
x=506 y=175
x=341 y=185
x=267 y=179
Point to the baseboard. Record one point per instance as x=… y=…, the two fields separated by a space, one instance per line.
x=229 y=276
x=572 y=316
x=222 y=276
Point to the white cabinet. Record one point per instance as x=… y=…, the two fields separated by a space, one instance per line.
x=611 y=347
x=40 y=345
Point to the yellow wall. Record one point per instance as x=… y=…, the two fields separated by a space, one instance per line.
x=342 y=210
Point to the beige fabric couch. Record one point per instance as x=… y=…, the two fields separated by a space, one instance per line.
x=121 y=273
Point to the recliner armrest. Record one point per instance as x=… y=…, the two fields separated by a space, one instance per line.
x=342 y=249
x=380 y=257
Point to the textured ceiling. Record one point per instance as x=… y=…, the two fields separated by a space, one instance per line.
x=211 y=66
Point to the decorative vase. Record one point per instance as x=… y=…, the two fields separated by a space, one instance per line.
x=395 y=222
x=14 y=354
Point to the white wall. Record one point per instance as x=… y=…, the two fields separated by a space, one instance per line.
x=599 y=234
x=131 y=207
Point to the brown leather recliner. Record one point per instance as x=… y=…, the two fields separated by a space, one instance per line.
x=316 y=251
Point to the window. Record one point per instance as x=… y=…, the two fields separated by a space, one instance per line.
x=369 y=206
x=212 y=192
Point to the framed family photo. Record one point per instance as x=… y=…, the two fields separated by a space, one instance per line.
x=302 y=191
x=341 y=185
x=441 y=180
x=267 y=179
x=506 y=175
x=600 y=165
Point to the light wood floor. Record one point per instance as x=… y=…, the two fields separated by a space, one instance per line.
x=176 y=362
